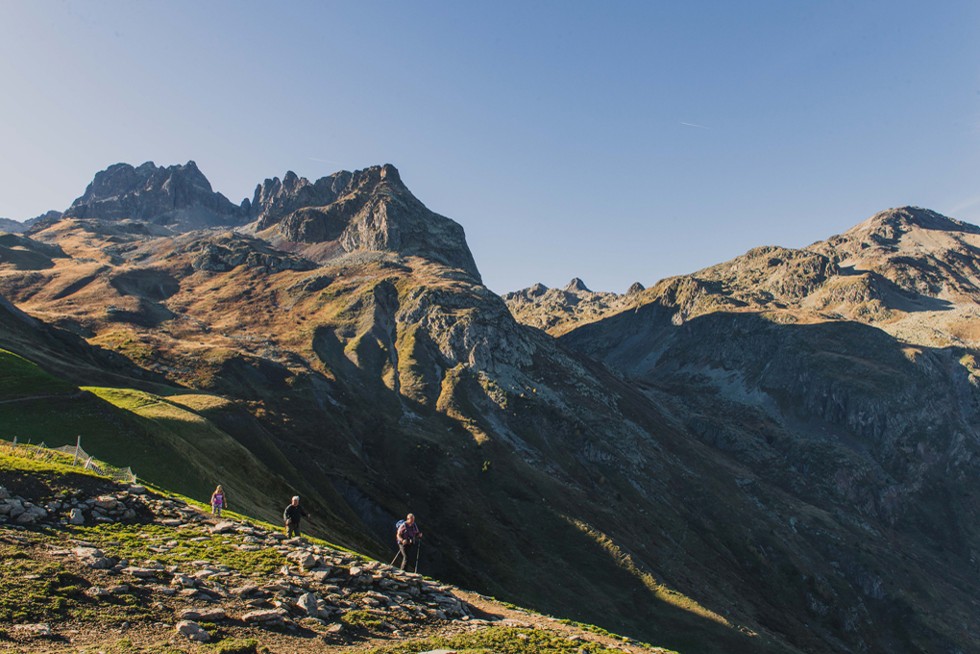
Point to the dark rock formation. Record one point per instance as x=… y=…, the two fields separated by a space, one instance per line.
x=274 y=199
x=367 y=210
x=175 y=195
x=12 y=226
x=577 y=286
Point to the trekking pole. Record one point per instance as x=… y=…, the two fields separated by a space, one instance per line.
x=418 y=554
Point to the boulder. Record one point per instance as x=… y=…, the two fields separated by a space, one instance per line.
x=39 y=630
x=223 y=527
x=192 y=631
x=307 y=602
x=106 y=502
x=93 y=558
x=97 y=592
x=76 y=517
x=203 y=614
x=263 y=617
x=183 y=581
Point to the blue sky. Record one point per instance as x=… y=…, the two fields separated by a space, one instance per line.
x=613 y=141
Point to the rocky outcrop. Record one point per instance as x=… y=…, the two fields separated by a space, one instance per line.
x=224 y=252
x=274 y=199
x=557 y=310
x=367 y=210
x=12 y=226
x=180 y=196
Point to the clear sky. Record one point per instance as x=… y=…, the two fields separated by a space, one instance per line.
x=613 y=141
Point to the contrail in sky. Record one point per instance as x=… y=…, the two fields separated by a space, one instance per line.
x=695 y=125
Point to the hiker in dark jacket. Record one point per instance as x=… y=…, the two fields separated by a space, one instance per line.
x=408 y=537
x=292 y=516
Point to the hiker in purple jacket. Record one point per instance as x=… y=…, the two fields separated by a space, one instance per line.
x=219 y=501
x=408 y=537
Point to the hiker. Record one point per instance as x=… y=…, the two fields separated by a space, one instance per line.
x=292 y=515
x=218 y=501
x=408 y=536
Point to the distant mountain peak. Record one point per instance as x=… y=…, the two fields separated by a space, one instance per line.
x=178 y=194
x=369 y=209
x=893 y=222
x=577 y=286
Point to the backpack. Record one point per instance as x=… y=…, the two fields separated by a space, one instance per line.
x=398 y=526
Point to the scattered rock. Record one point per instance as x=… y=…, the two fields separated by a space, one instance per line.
x=40 y=630
x=193 y=631
x=307 y=602
x=206 y=614
x=223 y=527
x=263 y=617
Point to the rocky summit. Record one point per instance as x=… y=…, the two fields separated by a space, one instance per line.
x=179 y=195
x=775 y=454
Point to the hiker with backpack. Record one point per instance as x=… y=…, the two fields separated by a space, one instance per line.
x=218 y=501
x=292 y=516
x=409 y=539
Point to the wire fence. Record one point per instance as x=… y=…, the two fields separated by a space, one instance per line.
x=72 y=455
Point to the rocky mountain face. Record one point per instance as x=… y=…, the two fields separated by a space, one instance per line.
x=17 y=227
x=11 y=226
x=175 y=195
x=843 y=373
x=596 y=477
x=368 y=210
x=556 y=310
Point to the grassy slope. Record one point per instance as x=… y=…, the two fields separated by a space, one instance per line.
x=165 y=443
x=34 y=589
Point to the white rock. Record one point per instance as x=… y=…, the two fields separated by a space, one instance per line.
x=262 y=616
x=223 y=527
x=307 y=602
x=193 y=631
x=36 y=630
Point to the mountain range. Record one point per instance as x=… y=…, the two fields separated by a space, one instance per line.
x=775 y=454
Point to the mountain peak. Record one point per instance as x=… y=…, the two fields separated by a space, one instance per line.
x=891 y=223
x=577 y=286
x=368 y=209
x=178 y=194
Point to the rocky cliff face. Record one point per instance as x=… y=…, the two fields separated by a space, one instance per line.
x=175 y=195
x=844 y=373
x=556 y=310
x=367 y=210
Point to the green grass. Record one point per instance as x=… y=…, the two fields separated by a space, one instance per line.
x=499 y=640
x=21 y=378
x=165 y=443
x=24 y=458
x=32 y=591
x=362 y=619
x=132 y=542
x=237 y=646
